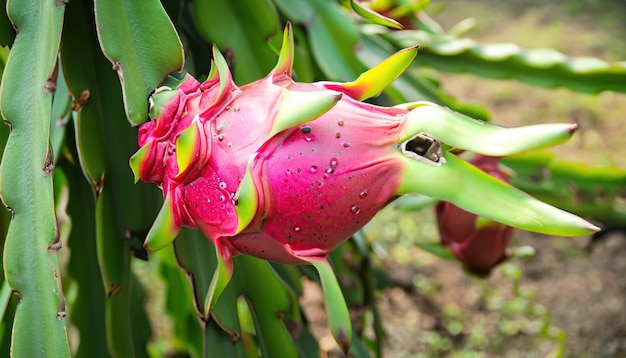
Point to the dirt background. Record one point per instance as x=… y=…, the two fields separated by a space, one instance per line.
x=567 y=299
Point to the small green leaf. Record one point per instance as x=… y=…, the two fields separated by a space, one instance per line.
x=164 y=229
x=247 y=201
x=373 y=16
x=336 y=309
x=372 y=82
x=298 y=107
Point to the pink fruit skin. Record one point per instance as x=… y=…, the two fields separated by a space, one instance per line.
x=317 y=183
x=480 y=249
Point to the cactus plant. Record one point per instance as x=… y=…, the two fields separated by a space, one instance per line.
x=114 y=60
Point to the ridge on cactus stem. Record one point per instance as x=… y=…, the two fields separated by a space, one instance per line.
x=286 y=171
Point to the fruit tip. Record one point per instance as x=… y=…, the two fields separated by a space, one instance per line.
x=593 y=228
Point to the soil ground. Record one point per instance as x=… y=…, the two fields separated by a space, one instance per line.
x=433 y=308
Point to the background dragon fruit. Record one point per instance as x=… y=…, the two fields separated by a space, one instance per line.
x=286 y=171
x=481 y=244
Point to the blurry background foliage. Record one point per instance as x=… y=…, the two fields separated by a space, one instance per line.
x=105 y=296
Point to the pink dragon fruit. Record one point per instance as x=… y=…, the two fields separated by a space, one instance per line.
x=286 y=171
x=481 y=244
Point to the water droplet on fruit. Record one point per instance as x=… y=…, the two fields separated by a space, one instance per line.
x=340 y=123
x=329 y=170
x=222 y=185
x=333 y=162
x=308 y=139
x=313 y=168
x=355 y=209
x=306 y=129
x=296 y=229
x=346 y=145
x=288 y=171
x=363 y=194
x=337 y=135
x=220 y=137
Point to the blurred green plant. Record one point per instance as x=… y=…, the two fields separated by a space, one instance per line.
x=73 y=70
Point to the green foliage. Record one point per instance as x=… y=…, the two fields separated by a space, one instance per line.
x=70 y=106
x=30 y=261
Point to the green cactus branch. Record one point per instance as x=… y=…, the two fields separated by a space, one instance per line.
x=30 y=259
x=142 y=52
x=588 y=191
x=539 y=67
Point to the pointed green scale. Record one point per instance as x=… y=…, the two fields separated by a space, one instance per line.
x=187 y=147
x=226 y=78
x=247 y=201
x=221 y=277
x=374 y=17
x=372 y=82
x=472 y=189
x=285 y=59
x=159 y=98
x=138 y=159
x=464 y=132
x=164 y=229
x=299 y=107
x=337 y=311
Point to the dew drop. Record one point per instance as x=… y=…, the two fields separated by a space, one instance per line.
x=220 y=137
x=355 y=209
x=313 y=168
x=296 y=229
x=230 y=145
x=222 y=198
x=222 y=185
x=306 y=129
x=341 y=123
x=337 y=135
x=363 y=194
x=346 y=145
x=329 y=170
x=288 y=171
x=308 y=139
x=333 y=162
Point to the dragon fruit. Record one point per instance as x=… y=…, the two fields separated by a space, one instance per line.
x=286 y=171
x=481 y=244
